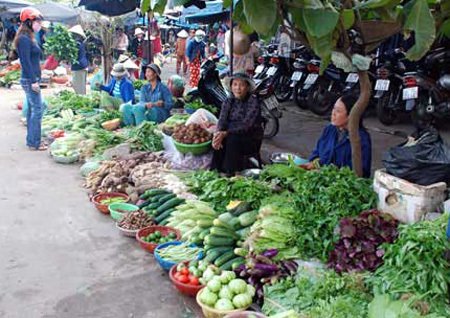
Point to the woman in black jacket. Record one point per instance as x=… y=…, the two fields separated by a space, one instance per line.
x=79 y=67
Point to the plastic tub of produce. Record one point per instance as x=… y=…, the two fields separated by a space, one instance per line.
x=210 y=312
x=195 y=149
x=165 y=264
x=164 y=231
x=246 y=314
x=126 y=232
x=104 y=207
x=186 y=289
x=116 y=210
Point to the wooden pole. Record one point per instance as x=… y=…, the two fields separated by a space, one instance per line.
x=231 y=40
x=149 y=30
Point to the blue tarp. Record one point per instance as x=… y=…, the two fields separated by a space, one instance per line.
x=213 y=10
x=110 y=7
x=52 y=11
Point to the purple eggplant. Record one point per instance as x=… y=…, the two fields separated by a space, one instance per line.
x=268 y=268
x=263 y=259
x=270 y=253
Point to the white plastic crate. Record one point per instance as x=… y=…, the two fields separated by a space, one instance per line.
x=406 y=201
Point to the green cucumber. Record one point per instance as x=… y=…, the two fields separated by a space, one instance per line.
x=153 y=192
x=166 y=198
x=158 y=214
x=219 y=240
x=229 y=265
x=144 y=204
x=241 y=252
x=220 y=249
x=244 y=232
x=164 y=222
x=170 y=204
x=203 y=234
x=220 y=231
x=205 y=223
x=156 y=198
x=225 y=217
x=211 y=257
x=163 y=215
x=152 y=206
x=225 y=225
x=238 y=263
x=225 y=257
x=248 y=218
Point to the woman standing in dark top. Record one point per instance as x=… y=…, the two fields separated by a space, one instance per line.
x=240 y=130
x=79 y=67
x=30 y=55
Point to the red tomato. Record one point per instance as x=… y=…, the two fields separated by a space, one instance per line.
x=176 y=275
x=185 y=271
x=183 y=279
x=193 y=281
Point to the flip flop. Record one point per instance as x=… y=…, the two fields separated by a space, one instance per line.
x=42 y=147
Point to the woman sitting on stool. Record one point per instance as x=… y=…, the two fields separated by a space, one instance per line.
x=240 y=130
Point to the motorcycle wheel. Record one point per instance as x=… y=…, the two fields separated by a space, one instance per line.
x=386 y=115
x=300 y=100
x=271 y=123
x=321 y=100
x=283 y=90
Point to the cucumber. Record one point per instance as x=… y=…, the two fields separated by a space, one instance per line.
x=144 y=204
x=211 y=257
x=156 y=198
x=228 y=265
x=225 y=217
x=166 y=198
x=225 y=225
x=225 y=257
x=205 y=223
x=203 y=234
x=220 y=231
x=220 y=249
x=235 y=223
x=238 y=263
x=240 y=252
x=219 y=240
x=164 y=222
x=248 y=218
x=244 y=232
x=158 y=214
x=153 y=192
x=152 y=206
x=163 y=215
x=196 y=240
x=170 y=204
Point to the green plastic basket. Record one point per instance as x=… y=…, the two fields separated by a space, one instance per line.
x=120 y=206
x=195 y=149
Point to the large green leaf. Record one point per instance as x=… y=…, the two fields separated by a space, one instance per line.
x=312 y=4
x=445 y=28
x=297 y=16
x=145 y=5
x=320 y=22
x=159 y=6
x=261 y=15
x=420 y=20
x=372 y=4
x=348 y=18
x=227 y=3
x=323 y=46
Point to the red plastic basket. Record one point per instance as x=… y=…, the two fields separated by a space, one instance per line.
x=104 y=208
x=184 y=288
x=146 y=231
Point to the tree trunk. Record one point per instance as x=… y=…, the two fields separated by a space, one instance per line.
x=354 y=119
x=3 y=40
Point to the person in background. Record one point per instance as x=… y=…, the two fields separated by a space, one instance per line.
x=180 y=49
x=120 y=43
x=79 y=67
x=240 y=131
x=30 y=54
x=334 y=145
x=120 y=90
x=171 y=38
x=191 y=34
x=155 y=100
x=221 y=41
x=156 y=41
x=137 y=47
x=212 y=52
x=195 y=52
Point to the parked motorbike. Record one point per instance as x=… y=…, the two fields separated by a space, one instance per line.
x=211 y=91
x=264 y=61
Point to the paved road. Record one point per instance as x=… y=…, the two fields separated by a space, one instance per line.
x=60 y=258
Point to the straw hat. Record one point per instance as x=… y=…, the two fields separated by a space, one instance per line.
x=78 y=30
x=119 y=70
x=155 y=68
x=183 y=34
x=138 y=31
x=243 y=76
x=123 y=58
x=130 y=65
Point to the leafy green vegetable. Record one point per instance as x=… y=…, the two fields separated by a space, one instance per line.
x=145 y=138
x=62 y=45
x=137 y=84
x=416 y=264
x=382 y=306
x=197 y=104
x=71 y=100
x=109 y=115
x=10 y=77
x=197 y=180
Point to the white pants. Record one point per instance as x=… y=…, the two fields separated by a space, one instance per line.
x=79 y=81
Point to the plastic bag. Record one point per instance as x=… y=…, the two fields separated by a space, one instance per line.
x=423 y=161
x=89 y=167
x=98 y=78
x=205 y=119
x=188 y=161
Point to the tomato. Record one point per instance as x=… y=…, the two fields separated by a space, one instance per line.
x=194 y=281
x=184 y=271
x=176 y=275
x=183 y=279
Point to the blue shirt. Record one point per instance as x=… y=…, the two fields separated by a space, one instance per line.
x=126 y=89
x=82 y=61
x=331 y=149
x=116 y=90
x=29 y=55
x=193 y=48
x=161 y=92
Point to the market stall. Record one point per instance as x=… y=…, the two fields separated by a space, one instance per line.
x=281 y=242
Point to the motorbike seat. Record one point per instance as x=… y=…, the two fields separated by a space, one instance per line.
x=410 y=73
x=444 y=81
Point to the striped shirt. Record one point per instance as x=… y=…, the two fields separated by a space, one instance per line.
x=116 y=91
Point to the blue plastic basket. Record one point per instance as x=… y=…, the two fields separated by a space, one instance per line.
x=189 y=110
x=166 y=264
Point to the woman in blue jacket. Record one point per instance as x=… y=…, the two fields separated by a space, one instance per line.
x=334 y=145
x=30 y=55
x=195 y=53
x=79 y=67
x=155 y=100
x=120 y=89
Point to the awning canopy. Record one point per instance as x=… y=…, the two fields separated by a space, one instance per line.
x=11 y=4
x=52 y=11
x=213 y=12
x=110 y=8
